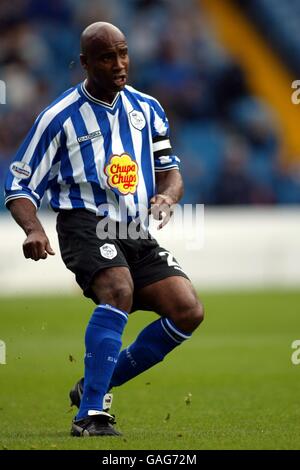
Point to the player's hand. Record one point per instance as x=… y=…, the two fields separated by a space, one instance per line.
x=161 y=208
x=37 y=246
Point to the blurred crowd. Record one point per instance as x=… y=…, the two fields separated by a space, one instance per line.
x=282 y=21
x=228 y=141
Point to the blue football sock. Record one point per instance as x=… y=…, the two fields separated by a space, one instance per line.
x=149 y=348
x=103 y=344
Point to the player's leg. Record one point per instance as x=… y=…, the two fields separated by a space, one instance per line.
x=175 y=298
x=113 y=289
x=181 y=313
x=102 y=272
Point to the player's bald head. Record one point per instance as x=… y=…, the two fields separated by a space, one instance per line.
x=104 y=57
x=100 y=35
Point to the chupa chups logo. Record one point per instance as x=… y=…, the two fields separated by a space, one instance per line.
x=122 y=173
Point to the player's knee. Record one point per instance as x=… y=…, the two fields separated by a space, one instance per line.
x=194 y=315
x=189 y=315
x=115 y=292
x=121 y=297
x=198 y=313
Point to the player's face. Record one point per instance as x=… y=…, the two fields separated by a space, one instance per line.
x=107 y=66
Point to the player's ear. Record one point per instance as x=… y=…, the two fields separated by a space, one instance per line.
x=83 y=61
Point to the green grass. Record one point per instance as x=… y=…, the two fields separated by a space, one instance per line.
x=245 y=390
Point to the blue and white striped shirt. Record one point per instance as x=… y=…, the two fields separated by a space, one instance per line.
x=85 y=153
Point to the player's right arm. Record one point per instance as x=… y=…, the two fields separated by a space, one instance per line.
x=28 y=179
x=36 y=246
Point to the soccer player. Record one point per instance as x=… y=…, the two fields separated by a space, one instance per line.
x=100 y=150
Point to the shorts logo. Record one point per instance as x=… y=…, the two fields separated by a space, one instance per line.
x=20 y=170
x=137 y=119
x=122 y=173
x=108 y=251
x=172 y=263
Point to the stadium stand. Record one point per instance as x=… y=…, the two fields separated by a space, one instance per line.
x=282 y=21
x=228 y=139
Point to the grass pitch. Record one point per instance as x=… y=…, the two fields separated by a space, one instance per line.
x=232 y=386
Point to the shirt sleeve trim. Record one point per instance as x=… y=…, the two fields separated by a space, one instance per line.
x=20 y=196
x=166 y=168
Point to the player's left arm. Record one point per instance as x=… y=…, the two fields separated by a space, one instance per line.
x=169 y=186
x=168 y=180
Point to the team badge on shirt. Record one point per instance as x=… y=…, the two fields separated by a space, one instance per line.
x=137 y=119
x=122 y=173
